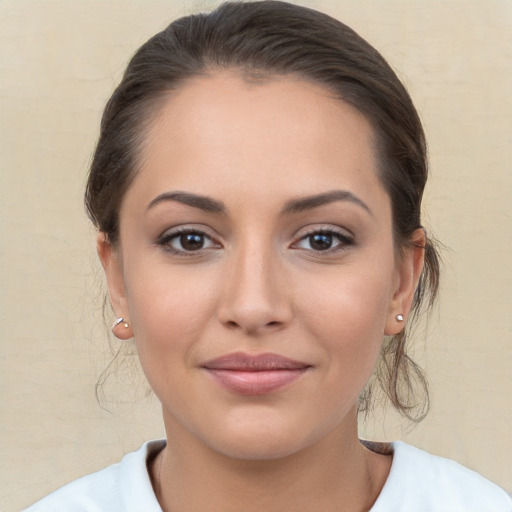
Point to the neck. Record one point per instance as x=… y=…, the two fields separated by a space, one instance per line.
x=336 y=472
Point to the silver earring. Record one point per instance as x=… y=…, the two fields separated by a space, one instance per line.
x=399 y=318
x=118 y=321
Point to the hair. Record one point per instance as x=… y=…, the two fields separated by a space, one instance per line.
x=261 y=40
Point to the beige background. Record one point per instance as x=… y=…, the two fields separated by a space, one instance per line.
x=60 y=60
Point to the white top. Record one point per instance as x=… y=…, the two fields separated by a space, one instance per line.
x=417 y=482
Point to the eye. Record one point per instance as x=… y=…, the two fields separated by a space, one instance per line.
x=323 y=241
x=186 y=241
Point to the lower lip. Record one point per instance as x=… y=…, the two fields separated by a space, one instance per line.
x=256 y=382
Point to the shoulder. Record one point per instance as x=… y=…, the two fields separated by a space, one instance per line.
x=122 y=487
x=421 y=482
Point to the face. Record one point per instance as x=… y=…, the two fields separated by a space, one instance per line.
x=256 y=265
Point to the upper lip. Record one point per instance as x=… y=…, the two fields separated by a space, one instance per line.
x=254 y=362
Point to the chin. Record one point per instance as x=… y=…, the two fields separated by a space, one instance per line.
x=258 y=448
x=261 y=438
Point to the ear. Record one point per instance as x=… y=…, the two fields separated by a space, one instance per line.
x=112 y=265
x=408 y=272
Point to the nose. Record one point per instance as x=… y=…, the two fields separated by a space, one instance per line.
x=255 y=296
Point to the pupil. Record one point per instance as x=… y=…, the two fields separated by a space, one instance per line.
x=320 y=242
x=192 y=241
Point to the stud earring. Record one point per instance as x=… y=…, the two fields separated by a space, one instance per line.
x=399 y=318
x=119 y=321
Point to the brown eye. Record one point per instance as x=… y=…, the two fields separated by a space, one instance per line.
x=186 y=241
x=324 y=241
x=192 y=241
x=320 y=241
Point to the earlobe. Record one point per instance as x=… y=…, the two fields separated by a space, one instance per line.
x=409 y=270
x=112 y=265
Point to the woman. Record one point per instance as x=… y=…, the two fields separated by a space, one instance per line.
x=257 y=190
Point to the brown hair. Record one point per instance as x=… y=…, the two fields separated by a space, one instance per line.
x=260 y=40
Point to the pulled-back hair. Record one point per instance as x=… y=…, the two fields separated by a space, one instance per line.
x=261 y=40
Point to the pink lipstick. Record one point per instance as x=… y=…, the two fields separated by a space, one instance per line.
x=255 y=374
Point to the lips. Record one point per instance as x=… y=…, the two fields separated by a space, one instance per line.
x=260 y=374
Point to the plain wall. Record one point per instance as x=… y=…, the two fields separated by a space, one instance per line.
x=59 y=62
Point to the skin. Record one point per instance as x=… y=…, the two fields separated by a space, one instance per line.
x=260 y=285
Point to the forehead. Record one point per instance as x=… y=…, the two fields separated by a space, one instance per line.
x=221 y=134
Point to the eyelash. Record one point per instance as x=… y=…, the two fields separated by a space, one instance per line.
x=345 y=240
x=165 y=240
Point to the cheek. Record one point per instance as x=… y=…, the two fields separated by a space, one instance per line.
x=347 y=315
x=170 y=309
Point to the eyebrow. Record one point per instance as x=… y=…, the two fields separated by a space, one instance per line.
x=310 y=202
x=204 y=203
x=302 y=204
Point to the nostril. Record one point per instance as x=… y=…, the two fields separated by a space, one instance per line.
x=232 y=324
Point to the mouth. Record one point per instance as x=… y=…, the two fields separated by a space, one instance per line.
x=255 y=375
